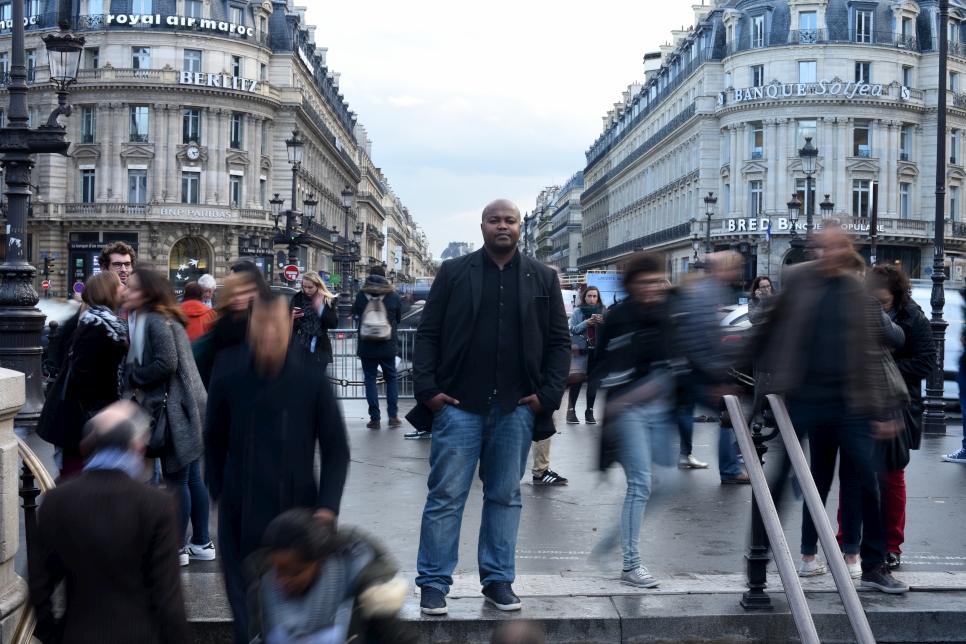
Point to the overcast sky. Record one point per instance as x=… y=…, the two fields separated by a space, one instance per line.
x=469 y=102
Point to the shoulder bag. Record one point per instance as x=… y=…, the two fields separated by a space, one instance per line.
x=61 y=419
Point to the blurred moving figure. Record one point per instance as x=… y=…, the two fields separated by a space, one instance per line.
x=163 y=378
x=314 y=314
x=636 y=348
x=91 y=378
x=823 y=347
x=317 y=585
x=114 y=543
x=699 y=337
x=200 y=316
x=268 y=409
x=959 y=456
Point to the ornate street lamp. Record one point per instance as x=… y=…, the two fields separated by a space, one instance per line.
x=346 y=259
x=809 y=157
x=310 y=203
x=292 y=236
x=794 y=207
x=933 y=417
x=827 y=208
x=709 y=203
x=20 y=322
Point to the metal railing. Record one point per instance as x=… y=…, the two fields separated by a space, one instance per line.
x=345 y=372
x=765 y=515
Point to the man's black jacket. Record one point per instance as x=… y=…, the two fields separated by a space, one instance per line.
x=447 y=322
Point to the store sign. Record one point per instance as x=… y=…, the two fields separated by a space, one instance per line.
x=133 y=19
x=190 y=212
x=224 y=81
x=27 y=22
x=824 y=87
x=781 y=225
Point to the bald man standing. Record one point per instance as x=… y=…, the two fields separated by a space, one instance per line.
x=490 y=364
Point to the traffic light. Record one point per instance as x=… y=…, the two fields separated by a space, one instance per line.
x=48 y=266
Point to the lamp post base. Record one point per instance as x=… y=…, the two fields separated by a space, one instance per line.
x=20 y=350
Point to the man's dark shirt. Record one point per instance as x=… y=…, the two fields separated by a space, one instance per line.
x=493 y=359
x=825 y=368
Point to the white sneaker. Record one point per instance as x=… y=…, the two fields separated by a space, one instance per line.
x=639 y=577
x=812 y=568
x=958 y=456
x=855 y=569
x=183 y=557
x=204 y=553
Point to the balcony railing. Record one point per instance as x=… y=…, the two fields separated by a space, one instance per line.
x=757 y=154
x=959 y=100
x=5 y=77
x=138 y=138
x=822 y=37
x=903 y=156
x=807 y=36
x=148 y=74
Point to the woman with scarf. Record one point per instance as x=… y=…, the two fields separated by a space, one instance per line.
x=314 y=314
x=93 y=371
x=163 y=378
x=584 y=325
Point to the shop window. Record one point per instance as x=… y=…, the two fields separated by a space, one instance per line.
x=905 y=198
x=88 y=186
x=88 y=124
x=193 y=9
x=141 y=57
x=807 y=71
x=757 y=75
x=137 y=186
x=756 y=205
x=192 y=60
x=861 y=135
x=139 y=124
x=235 y=189
x=237 y=133
x=190 y=187
x=191 y=126
x=863 y=72
x=862 y=25
x=757 y=140
x=861 y=198
x=189 y=259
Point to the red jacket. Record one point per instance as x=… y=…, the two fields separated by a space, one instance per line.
x=200 y=318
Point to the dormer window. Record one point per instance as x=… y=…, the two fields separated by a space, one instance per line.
x=863 y=21
x=757 y=31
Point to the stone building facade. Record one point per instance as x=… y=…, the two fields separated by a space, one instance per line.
x=731 y=102
x=551 y=232
x=180 y=115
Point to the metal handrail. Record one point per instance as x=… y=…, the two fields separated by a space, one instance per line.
x=774 y=406
x=33 y=470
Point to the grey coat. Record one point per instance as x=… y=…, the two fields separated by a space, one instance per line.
x=167 y=365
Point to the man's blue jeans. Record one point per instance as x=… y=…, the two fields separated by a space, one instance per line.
x=500 y=444
x=193 y=502
x=961 y=381
x=388 y=367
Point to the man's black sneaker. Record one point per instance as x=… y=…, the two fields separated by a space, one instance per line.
x=432 y=601
x=572 y=417
x=418 y=433
x=881 y=578
x=549 y=477
x=893 y=559
x=589 y=417
x=500 y=594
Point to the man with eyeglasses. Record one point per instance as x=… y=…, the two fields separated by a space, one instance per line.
x=119 y=258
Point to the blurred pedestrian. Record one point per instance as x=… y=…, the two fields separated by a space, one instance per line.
x=113 y=542
x=489 y=369
x=761 y=290
x=163 y=378
x=200 y=316
x=585 y=324
x=636 y=350
x=208 y=285
x=959 y=456
x=314 y=314
x=92 y=375
x=378 y=314
x=316 y=585
x=699 y=336
x=268 y=410
x=825 y=347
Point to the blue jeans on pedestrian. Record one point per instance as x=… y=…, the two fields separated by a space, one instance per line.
x=500 y=444
x=642 y=431
x=728 y=465
x=961 y=381
x=834 y=432
x=388 y=367
x=193 y=502
x=685 y=415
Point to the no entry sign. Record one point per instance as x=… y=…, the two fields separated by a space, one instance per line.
x=45 y=285
x=291 y=272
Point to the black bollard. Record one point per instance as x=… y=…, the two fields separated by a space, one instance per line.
x=52 y=363
x=755 y=598
x=29 y=493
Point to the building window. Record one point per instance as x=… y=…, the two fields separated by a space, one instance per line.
x=860 y=139
x=807 y=71
x=88 y=124
x=192 y=60
x=755 y=192
x=954 y=203
x=142 y=7
x=905 y=143
x=954 y=146
x=954 y=31
x=137 y=186
x=31 y=8
x=757 y=75
x=139 y=124
x=907 y=75
x=863 y=72
x=757 y=140
x=800 y=195
x=905 y=196
x=262 y=24
x=237 y=133
x=237 y=67
x=190 y=187
x=807 y=27
x=907 y=33
x=263 y=72
x=193 y=9
x=262 y=184
x=192 y=126
x=235 y=15
x=757 y=32
x=953 y=82
x=727 y=80
x=862 y=25
x=87 y=186
x=4 y=63
x=806 y=129
x=31 y=62
x=235 y=190
x=861 y=198
x=141 y=57
x=264 y=137
x=190 y=258
x=727 y=198
x=92 y=58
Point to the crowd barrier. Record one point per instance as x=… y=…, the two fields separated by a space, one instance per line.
x=345 y=372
